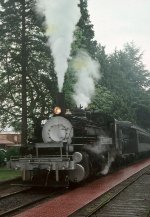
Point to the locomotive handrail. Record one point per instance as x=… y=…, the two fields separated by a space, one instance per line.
x=64 y=157
x=32 y=160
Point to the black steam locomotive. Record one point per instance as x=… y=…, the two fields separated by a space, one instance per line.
x=76 y=145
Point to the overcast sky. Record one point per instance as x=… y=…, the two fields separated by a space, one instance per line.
x=119 y=21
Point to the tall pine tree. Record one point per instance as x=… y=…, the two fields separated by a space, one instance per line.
x=84 y=34
x=25 y=61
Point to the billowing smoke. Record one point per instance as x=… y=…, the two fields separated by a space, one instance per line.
x=87 y=72
x=61 y=17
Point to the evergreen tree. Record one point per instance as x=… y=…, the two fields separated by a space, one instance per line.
x=84 y=34
x=126 y=78
x=39 y=66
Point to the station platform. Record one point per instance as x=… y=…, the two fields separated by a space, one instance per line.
x=68 y=203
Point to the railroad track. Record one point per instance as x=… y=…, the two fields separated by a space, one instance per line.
x=5 y=193
x=91 y=209
x=11 y=203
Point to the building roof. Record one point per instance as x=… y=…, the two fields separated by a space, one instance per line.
x=9 y=132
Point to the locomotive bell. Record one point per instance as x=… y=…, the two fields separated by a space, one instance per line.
x=57 y=129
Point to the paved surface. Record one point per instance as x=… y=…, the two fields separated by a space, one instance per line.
x=131 y=198
x=66 y=204
x=132 y=202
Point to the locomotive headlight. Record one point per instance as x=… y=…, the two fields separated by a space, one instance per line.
x=57 y=110
x=77 y=157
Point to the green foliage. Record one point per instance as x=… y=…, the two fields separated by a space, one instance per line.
x=41 y=79
x=84 y=34
x=86 y=29
x=124 y=76
x=14 y=151
x=2 y=156
x=68 y=88
x=103 y=100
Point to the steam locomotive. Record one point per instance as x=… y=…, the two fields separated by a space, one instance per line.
x=80 y=144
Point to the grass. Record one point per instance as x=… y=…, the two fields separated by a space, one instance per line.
x=6 y=174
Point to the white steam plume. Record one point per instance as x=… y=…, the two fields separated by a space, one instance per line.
x=88 y=72
x=61 y=17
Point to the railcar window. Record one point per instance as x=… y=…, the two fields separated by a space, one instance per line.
x=127 y=139
x=125 y=133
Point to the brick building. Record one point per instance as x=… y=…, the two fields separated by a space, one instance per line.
x=8 y=139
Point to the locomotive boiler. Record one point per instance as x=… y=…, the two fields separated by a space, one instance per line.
x=78 y=144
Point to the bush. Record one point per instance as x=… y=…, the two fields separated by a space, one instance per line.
x=12 y=152
x=2 y=157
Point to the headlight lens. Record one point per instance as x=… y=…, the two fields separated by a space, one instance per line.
x=57 y=110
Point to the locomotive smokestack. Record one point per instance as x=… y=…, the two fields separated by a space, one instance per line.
x=60 y=102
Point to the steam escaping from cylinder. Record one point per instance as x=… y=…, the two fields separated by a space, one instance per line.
x=61 y=17
x=107 y=166
x=87 y=72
